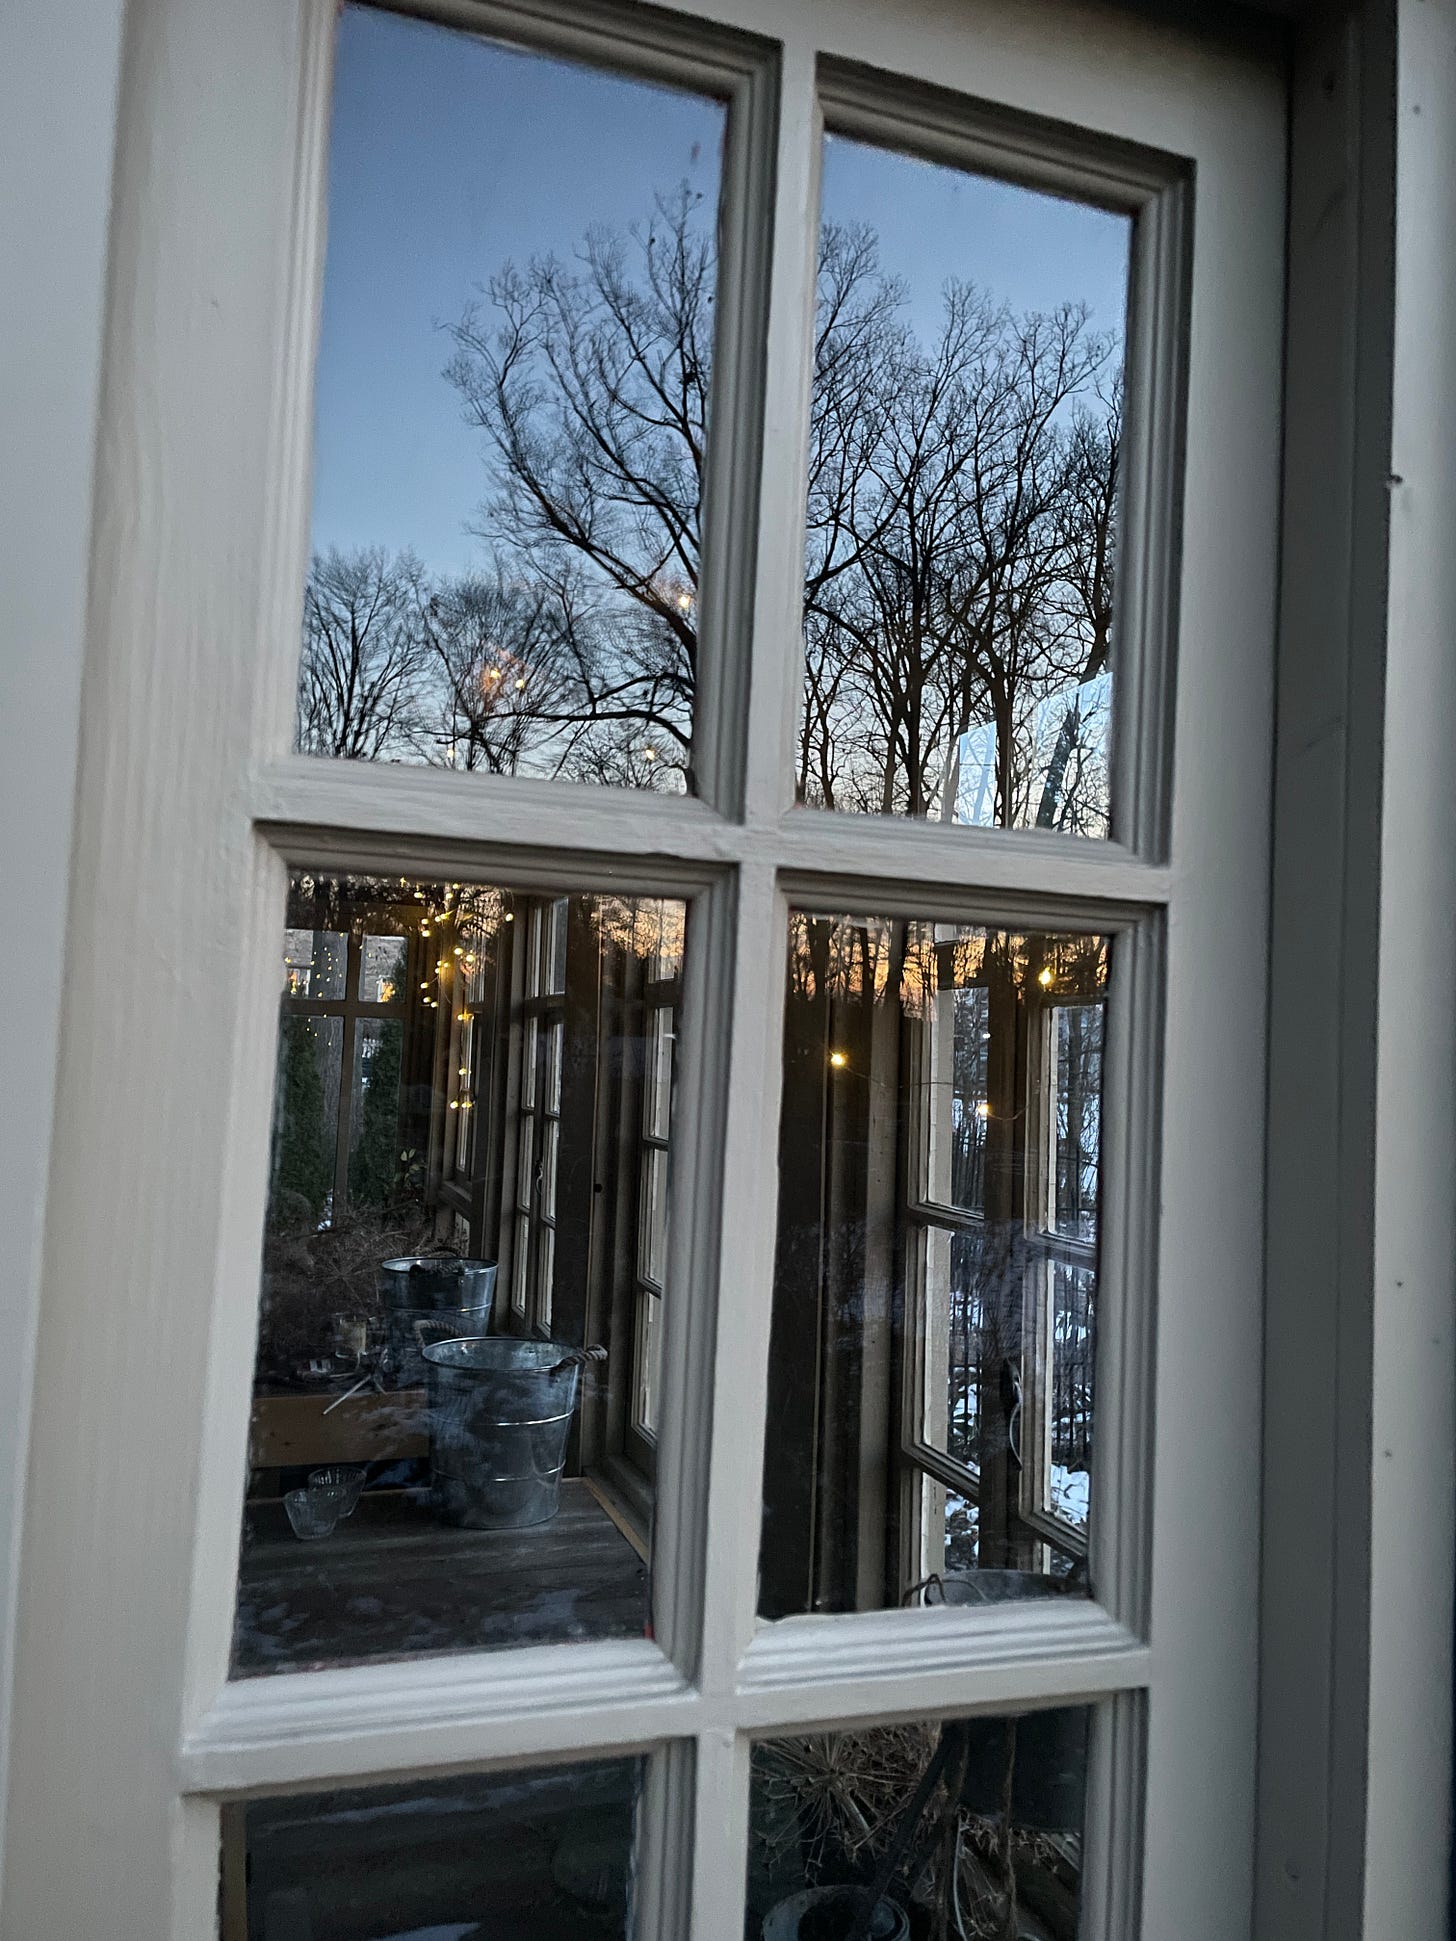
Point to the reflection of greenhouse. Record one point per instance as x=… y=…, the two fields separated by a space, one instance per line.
x=477 y=1074
x=935 y=1317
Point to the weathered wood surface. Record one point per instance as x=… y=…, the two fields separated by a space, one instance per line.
x=370 y=1427
x=392 y=1582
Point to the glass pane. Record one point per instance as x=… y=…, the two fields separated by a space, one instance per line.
x=654 y=1214
x=529 y=1056
x=970 y=1829
x=1077 y=1050
x=660 y=1041
x=315 y=963
x=555 y=944
x=519 y=1856
x=649 y=1360
x=404 y=1496
x=555 y=1042
x=383 y=963
x=962 y=498
x=931 y=1371
x=665 y=922
x=546 y=1179
x=957 y=1103
x=512 y=410
x=526 y=1159
x=545 y=1275
x=958 y=1257
x=306 y=1117
x=1074 y=1313
x=377 y=1159
x=521 y=1266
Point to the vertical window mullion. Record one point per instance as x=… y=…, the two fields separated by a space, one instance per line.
x=777 y=655
x=750 y=1028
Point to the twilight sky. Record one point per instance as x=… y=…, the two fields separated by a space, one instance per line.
x=449 y=155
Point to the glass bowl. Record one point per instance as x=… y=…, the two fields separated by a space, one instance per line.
x=313 y=1513
x=344 y=1480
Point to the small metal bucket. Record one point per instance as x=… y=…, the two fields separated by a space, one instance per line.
x=500 y=1414
x=453 y=1296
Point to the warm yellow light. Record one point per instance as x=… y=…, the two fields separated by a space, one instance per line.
x=650 y=754
x=983 y=1110
x=838 y=1060
x=1044 y=976
x=520 y=685
x=454 y=1105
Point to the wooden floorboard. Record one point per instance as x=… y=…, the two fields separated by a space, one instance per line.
x=392 y=1582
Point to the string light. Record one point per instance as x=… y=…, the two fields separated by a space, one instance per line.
x=838 y=1060
x=1044 y=976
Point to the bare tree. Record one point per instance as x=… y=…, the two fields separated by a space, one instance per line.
x=364 y=656
x=591 y=384
x=490 y=648
x=961 y=503
x=940 y=533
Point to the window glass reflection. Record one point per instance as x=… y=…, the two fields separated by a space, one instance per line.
x=970 y=1829
x=962 y=498
x=518 y=1856
x=472 y=1146
x=512 y=412
x=930 y=1428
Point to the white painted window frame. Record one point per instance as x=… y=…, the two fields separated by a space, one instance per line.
x=125 y=1728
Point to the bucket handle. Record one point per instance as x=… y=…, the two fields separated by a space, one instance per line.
x=578 y=1358
x=439 y=1330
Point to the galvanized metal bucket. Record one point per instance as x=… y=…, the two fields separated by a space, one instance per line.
x=500 y=1415
x=450 y=1296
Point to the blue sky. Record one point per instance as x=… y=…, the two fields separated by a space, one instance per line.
x=450 y=155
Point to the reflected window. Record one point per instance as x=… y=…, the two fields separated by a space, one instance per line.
x=512 y=412
x=527 y=1856
x=962 y=498
x=662 y=1001
x=968 y=1828
x=934 y=1326
x=456 y=1391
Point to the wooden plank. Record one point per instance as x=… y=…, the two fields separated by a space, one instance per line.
x=393 y=1582
x=295 y=1430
